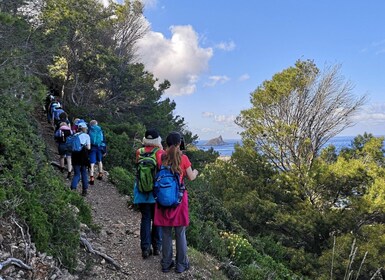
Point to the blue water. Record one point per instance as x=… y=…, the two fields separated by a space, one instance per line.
x=227 y=150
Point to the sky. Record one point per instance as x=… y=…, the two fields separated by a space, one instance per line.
x=216 y=53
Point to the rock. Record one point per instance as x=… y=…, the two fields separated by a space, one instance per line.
x=218 y=141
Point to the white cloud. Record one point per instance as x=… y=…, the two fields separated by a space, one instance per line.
x=226 y=46
x=149 y=3
x=179 y=59
x=105 y=3
x=207 y=114
x=217 y=79
x=377 y=47
x=244 y=77
x=371 y=114
x=225 y=119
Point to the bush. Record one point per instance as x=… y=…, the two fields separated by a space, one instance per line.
x=30 y=190
x=123 y=180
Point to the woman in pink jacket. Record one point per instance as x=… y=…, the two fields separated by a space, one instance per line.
x=178 y=217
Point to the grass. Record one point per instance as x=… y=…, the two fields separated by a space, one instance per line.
x=204 y=266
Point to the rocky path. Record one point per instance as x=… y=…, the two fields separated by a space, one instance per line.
x=118 y=235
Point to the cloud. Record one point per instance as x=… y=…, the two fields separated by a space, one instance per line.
x=226 y=46
x=179 y=59
x=225 y=119
x=244 y=77
x=217 y=79
x=377 y=47
x=371 y=114
x=207 y=114
x=149 y=3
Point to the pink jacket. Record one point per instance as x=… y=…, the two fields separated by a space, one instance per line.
x=178 y=216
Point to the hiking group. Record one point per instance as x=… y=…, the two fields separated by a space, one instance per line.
x=159 y=189
x=80 y=145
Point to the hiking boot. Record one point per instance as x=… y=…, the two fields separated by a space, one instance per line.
x=146 y=253
x=69 y=175
x=92 y=180
x=167 y=269
x=62 y=169
x=156 y=252
x=84 y=193
x=100 y=176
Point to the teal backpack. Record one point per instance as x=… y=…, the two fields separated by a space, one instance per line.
x=96 y=135
x=146 y=170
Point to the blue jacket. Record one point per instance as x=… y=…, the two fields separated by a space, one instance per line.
x=142 y=197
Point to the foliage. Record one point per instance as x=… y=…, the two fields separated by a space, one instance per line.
x=199 y=159
x=296 y=113
x=27 y=182
x=123 y=180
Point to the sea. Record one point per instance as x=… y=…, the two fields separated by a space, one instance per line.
x=227 y=149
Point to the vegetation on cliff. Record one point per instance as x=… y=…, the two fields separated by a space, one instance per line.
x=280 y=208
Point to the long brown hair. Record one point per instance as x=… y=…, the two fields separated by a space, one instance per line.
x=173 y=158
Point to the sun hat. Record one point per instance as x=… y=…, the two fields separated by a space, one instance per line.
x=82 y=125
x=152 y=138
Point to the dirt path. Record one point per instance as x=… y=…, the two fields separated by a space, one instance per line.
x=118 y=236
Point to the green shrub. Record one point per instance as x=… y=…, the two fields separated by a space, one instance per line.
x=123 y=180
x=29 y=189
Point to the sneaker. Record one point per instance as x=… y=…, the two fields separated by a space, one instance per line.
x=92 y=180
x=100 y=176
x=167 y=269
x=84 y=193
x=146 y=253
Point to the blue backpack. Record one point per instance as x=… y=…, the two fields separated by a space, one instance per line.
x=96 y=135
x=168 y=191
x=73 y=144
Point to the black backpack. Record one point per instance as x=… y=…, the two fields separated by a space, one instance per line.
x=63 y=135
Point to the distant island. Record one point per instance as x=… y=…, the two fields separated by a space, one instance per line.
x=218 y=141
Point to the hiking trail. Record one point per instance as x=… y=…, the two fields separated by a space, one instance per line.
x=118 y=235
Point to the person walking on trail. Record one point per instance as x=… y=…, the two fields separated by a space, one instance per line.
x=146 y=159
x=98 y=150
x=63 y=117
x=75 y=122
x=48 y=99
x=55 y=104
x=176 y=218
x=60 y=137
x=80 y=159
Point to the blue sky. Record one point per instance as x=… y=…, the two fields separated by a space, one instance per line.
x=215 y=53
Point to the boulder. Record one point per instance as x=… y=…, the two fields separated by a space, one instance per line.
x=218 y=141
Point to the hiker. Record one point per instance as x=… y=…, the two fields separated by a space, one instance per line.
x=150 y=235
x=48 y=99
x=63 y=117
x=175 y=217
x=51 y=109
x=75 y=123
x=80 y=160
x=56 y=112
x=60 y=137
x=98 y=150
